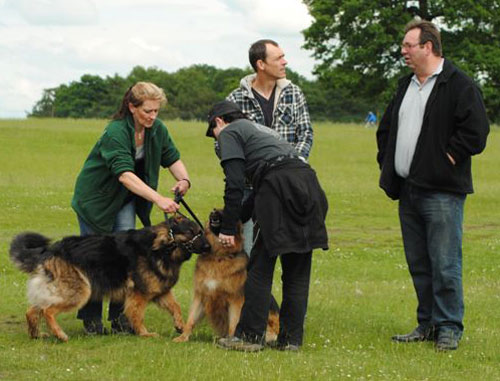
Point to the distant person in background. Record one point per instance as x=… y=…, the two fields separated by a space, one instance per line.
x=433 y=125
x=371 y=119
x=268 y=98
x=119 y=180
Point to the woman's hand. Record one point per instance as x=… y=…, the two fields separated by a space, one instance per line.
x=226 y=240
x=166 y=204
x=181 y=186
x=178 y=170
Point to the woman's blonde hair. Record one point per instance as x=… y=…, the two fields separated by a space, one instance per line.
x=137 y=94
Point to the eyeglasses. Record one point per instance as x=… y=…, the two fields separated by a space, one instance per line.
x=407 y=45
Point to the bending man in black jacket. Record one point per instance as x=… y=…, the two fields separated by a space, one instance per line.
x=290 y=209
x=432 y=127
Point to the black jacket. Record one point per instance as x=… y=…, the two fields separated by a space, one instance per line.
x=290 y=208
x=455 y=122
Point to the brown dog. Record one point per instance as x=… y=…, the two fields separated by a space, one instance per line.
x=136 y=266
x=219 y=280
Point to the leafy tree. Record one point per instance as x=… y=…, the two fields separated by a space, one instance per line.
x=357 y=43
x=45 y=107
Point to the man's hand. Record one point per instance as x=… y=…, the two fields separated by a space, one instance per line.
x=226 y=240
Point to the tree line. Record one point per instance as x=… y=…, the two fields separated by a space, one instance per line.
x=190 y=91
x=357 y=45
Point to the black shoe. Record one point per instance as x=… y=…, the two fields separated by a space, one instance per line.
x=418 y=334
x=121 y=325
x=447 y=342
x=94 y=327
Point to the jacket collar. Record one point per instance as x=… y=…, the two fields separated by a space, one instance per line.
x=149 y=131
x=448 y=70
x=246 y=83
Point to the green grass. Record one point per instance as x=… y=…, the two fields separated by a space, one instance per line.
x=361 y=292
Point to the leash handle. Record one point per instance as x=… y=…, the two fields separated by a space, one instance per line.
x=178 y=199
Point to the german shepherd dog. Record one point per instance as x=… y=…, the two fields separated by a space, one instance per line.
x=219 y=280
x=134 y=267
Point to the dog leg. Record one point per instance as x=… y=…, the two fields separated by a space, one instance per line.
x=234 y=311
x=195 y=314
x=50 y=314
x=273 y=326
x=168 y=302
x=135 y=306
x=33 y=318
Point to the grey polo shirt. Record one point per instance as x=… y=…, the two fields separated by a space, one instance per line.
x=411 y=116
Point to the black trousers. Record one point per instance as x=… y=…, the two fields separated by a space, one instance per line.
x=296 y=269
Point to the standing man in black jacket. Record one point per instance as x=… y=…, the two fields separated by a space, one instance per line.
x=433 y=125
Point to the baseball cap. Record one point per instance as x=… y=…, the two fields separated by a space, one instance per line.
x=220 y=109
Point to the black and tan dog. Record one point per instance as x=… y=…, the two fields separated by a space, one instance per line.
x=134 y=267
x=219 y=280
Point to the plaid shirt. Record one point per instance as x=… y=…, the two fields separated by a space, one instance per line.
x=290 y=117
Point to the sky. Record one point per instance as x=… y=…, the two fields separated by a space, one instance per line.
x=46 y=43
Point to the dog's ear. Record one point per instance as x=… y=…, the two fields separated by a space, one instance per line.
x=162 y=235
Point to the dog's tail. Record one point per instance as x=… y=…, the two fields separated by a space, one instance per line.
x=27 y=250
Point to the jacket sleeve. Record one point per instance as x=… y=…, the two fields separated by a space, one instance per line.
x=234 y=170
x=169 y=152
x=304 y=131
x=383 y=133
x=471 y=123
x=115 y=149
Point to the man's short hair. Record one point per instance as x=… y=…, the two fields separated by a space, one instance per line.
x=428 y=32
x=257 y=51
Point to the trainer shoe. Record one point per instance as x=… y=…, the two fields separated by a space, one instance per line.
x=121 y=325
x=288 y=348
x=418 y=334
x=447 y=341
x=236 y=344
x=94 y=327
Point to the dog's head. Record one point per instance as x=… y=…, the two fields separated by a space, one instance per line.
x=181 y=233
x=188 y=234
x=212 y=230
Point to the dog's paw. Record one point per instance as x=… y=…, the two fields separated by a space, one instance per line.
x=63 y=337
x=149 y=334
x=181 y=339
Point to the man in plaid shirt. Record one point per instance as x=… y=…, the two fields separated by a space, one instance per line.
x=268 y=98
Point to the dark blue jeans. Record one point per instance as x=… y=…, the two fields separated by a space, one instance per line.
x=125 y=220
x=431 y=224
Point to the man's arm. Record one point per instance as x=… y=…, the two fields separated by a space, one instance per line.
x=472 y=126
x=383 y=133
x=303 y=130
x=234 y=169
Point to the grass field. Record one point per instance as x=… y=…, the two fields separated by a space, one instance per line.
x=361 y=292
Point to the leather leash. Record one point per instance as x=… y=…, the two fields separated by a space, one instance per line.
x=180 y=200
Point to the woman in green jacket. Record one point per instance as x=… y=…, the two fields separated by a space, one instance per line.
x=119 y=180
